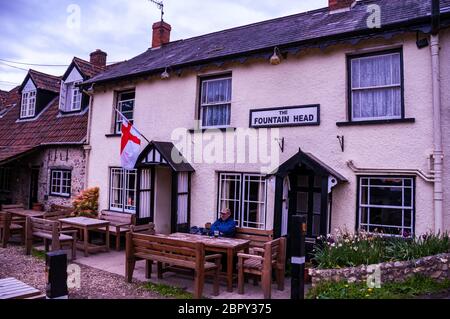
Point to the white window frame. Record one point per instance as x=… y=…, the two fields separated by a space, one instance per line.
x=118 y=120
x=244 y=180
x=57 y=179
x=352 y=89
x=124 y=175
x=205 y=105
x=404 y=208
x=28 y=106
x=75 y=98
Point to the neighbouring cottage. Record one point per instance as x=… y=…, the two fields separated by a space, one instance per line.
x=351 y=111
x=43 y=129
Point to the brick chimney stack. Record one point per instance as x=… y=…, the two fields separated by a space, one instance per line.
x=161 y=34
x=98 y=58
x=334 y=5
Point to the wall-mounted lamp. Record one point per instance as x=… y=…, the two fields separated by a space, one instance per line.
x=165 y=75
x=421 y=43
x=276 y=57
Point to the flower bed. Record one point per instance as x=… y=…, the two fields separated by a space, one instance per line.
x=354 y=257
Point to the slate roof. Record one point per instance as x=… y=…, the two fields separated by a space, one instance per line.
x=44 y=81
x=282 y=32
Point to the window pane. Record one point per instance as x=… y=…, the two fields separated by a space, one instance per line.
x=377 y=103
x=386 y=196
x=230 y=194
x=254 y=203
x=375 y=71
x=217 y=115
x=302 y=203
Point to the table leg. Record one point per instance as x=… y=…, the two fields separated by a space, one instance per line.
x=86 y=242
x=230 y=258
x=107 y=238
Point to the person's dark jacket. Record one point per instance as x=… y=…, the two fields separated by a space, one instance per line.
x=226 y=228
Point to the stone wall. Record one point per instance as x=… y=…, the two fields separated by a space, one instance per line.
x=436 y=267
x=68 y=158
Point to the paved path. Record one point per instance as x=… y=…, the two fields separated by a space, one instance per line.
x=114 y=262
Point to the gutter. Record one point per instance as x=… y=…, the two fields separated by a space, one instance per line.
x=429 y=178
x=438 y=154
x=87 y=147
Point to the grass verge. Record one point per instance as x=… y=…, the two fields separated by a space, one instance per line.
x=38 y=254
x=168 y=291
x=412 y=288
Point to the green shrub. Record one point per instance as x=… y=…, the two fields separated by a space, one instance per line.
x=350 y=250
x=413 y=287
x=86 y=204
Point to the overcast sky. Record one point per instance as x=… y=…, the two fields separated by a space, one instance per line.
x=49 y=31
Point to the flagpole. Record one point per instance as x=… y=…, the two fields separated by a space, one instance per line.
x=123 y=116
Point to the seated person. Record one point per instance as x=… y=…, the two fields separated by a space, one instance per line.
x=225 y=225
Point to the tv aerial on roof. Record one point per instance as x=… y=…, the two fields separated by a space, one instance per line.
x=160 y=5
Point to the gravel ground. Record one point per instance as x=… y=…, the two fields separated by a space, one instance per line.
x=95 y=284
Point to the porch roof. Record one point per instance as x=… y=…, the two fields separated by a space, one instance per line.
x=161 y=153
x=311 y=162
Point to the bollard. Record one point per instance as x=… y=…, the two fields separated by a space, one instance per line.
x=298 y=234
x=56 y=271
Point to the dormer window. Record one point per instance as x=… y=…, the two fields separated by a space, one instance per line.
x=28 y=108
x=70 y=100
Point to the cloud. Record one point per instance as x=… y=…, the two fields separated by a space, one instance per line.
x=43 y=32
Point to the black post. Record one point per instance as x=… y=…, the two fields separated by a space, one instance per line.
x=298 y=234
x=56 y=269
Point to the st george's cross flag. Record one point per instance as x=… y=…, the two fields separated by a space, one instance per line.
x=130 y=145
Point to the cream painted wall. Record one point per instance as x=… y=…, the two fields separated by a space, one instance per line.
x=312 y=77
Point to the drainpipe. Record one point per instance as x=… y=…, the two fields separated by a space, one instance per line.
x=438 y=154
x=87 y=147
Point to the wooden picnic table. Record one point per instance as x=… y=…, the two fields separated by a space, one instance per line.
x=19 y=212
x=85 y=225
x=229 y=246
x=11 y=288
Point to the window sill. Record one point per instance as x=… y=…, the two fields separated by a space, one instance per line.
x=376 y=122
x=113 y=135
x=210 y=129
x=60 y=196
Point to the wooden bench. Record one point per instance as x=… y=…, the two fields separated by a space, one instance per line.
x=119 y=224
x=8 y=228
x=148 y=229
x=49 y=230
x=271 y=258
x=171 y=252
x=58 y=212
x=258 y=238
x=15 y=219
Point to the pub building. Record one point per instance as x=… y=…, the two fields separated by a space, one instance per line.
x=362 y=122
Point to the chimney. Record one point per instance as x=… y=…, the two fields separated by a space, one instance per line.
x=161 y=34
x=341 y=5
x=98 y=58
